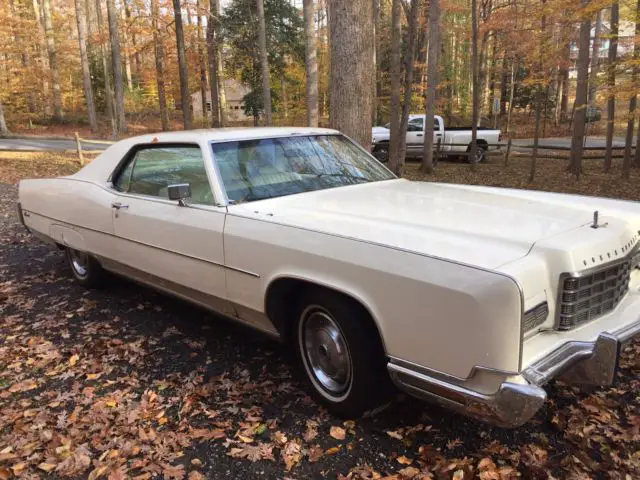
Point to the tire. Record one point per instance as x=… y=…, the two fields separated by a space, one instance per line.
x=381 y=152
x=481 y=153
x=85 y=269
x=341 y=354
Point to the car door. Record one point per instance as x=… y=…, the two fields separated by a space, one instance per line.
x=175 y=247
x=415 y=136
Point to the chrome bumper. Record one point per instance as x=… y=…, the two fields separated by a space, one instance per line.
x=519 y=397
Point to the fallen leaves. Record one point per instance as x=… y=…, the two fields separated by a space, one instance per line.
x=338 y=433
x=253 y=453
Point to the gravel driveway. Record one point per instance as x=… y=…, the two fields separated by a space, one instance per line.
x=126 y=382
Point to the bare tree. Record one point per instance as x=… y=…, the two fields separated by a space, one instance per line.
x=185 y=98
x=474 y=82
x=432 y=84
x=409 y=60
x=264 y=63
x=595 y=57
x=626 y=163
x=611 y=81
x=159 y=55
x=108 y=90
x=84 y=60
x=53 y=59
x=116 y=62
x=351 y=46
x=395 y=112
x=580 y=105
x=311 y=63
x=212 y=54
x=540 y=95
x=125 y=45
x=43 y=57
x=3 y=124
x=201 y=61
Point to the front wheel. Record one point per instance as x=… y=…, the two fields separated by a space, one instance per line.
x=85 y=269
x=341 y=353
x=481 y=152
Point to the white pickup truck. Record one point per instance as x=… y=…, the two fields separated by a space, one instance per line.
x=454 y=141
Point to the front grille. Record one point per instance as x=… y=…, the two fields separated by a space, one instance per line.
x=587 y=297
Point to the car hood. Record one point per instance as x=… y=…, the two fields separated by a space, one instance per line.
x=485 y=228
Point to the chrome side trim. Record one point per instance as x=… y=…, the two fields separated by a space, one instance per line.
x=186 y=255
x=435 y=373
x=251 y=318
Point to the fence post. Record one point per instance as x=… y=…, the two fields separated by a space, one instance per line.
x=506 y=155
x=79 y=147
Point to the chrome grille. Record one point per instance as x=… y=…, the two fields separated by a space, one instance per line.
x=587 y=297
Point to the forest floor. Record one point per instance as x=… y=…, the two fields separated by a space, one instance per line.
x=126 y=382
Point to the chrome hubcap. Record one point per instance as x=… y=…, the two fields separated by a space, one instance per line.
x=79 y=262
x=326 y=352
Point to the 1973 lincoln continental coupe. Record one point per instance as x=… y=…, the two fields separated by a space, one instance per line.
x=473 y=297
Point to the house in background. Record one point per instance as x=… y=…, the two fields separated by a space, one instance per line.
x=626 y=35
x=234 y=93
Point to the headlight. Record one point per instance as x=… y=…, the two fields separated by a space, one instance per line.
x=535 y=317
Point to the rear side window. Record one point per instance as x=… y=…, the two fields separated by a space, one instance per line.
x=152 y=169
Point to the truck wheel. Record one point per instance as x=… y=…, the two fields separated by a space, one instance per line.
x=381 y=152
x=481 y=154
x=343 y=360
x=86 y=270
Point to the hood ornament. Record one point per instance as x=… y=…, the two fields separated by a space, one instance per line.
x=595 y=223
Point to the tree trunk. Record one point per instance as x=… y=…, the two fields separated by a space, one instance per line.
x=222 y=97
x=53 y=60
x=611 y=80
x=185 y=98
x=134 y=44
x=580 y=105
x=395 y=112
x=409 y=61
x=564 y=81
x=626 y=164
x=474 y=82
x=311 y=63
x=540 y=97
x=84 y=60
x=201 y=62
x=264 y=63
x=351 y=39
x=432 y=84
x=108 y=90
x=503 y=84
x=125 y=46
x=46 y=94
x=3 y=124
x=595 y=57
x=212 y=53
x=116 y=62
x=636 y=158
x=376 y=60
x=159 y=54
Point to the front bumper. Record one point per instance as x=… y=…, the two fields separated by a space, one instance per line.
x=518 y=397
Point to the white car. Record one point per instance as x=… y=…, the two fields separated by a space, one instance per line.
x=473 y=297
x=454 y=141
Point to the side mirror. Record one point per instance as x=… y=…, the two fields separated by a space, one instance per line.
x=179 y=192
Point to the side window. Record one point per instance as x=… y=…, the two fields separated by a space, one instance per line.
x=153 y=169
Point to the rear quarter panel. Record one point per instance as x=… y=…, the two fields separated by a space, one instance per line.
x=70 y=212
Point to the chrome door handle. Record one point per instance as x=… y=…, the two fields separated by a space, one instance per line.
x=118 y=205
x=419 y=135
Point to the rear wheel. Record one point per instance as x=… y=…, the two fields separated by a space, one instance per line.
x=85 y=269
x=481 y=153
x=381 y=152
x=343 y=359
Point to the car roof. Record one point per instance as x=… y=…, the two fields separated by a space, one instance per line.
x=228 y=134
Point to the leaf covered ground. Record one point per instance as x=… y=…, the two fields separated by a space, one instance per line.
x=124 y=382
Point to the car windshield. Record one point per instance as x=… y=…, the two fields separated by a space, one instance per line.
x=274 y=167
